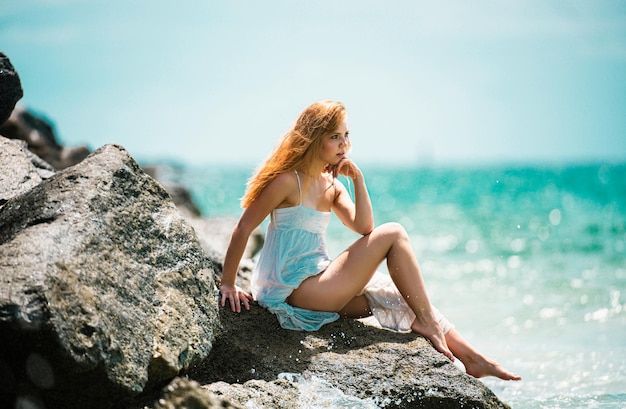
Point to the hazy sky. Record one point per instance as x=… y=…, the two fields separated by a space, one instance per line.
x=424 y=82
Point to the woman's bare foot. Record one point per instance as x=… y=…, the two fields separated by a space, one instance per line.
x=435 y=335
x=476 y=364
x=480 y=366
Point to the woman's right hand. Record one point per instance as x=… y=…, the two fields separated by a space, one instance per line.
x=345 y=167
x=235 y=296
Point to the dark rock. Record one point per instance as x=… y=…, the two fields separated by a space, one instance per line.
x=10 y=88
x=40 y=136
x=104 y=290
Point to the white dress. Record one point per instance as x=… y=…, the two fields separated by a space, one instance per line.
x=295 y=250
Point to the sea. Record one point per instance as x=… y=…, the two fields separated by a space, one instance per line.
x=528 y=261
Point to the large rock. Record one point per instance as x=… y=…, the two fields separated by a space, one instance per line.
x=104 y=288
x=387 y=368
x=41 y=138
x=255 y=363
x=10 y=88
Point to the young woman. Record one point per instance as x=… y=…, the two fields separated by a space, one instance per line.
x=295 y=278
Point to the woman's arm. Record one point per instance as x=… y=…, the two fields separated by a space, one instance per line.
x=278 y=192
x=358 y=214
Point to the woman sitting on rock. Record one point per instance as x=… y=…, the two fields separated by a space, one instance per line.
x=295 y=278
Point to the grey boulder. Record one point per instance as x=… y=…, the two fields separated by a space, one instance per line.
x=104 y=289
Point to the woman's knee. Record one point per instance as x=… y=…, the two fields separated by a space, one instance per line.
x=392 y=229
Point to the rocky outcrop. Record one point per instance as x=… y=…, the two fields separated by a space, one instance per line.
x=104 y=290
x=255 y=363
x=386 y=368
x=41 y=139
x=10 y=88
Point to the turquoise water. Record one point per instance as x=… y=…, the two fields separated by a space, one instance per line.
x=528 y=262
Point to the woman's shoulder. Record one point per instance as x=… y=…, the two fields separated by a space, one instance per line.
x=285 y=185
x=287 y=178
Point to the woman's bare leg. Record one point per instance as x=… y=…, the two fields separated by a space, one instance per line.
x=347 y=275
x=476 y=364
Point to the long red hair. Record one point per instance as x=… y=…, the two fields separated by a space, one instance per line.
x=299 y=147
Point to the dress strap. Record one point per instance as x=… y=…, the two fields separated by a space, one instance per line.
x=299 y=187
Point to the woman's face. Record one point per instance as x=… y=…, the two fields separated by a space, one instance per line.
x=335 y=145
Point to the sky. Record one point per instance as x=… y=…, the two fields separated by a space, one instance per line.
x=425 y=82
